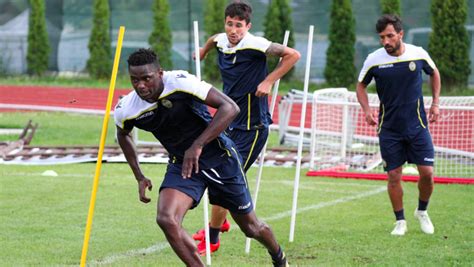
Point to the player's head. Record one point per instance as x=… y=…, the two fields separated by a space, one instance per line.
x=146 y=74
x=239 y=9
x=237 y=20
x=390 y=30
x=389 y=19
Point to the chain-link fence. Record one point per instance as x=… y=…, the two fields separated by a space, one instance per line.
x=69 y=23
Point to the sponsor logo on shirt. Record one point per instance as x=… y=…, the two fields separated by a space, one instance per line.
x=180 y=76
x=412 y=66
x=144 y=115
x=385 y=66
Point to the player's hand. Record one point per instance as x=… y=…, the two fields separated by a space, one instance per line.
x=370 y=118
x=143 y=184
x=191 y=160
x=434 y=113
x=263 y=89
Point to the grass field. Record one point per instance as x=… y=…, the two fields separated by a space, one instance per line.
x=341 y=222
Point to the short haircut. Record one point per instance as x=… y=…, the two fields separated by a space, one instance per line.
x=240 y=9
x=142 y=57
x=387 y=19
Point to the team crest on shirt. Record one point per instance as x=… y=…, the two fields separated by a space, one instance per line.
x=412 y=66
x=166 y=103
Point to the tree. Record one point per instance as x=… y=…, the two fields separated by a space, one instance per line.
x=213 y=23
x=99 y=63
x=38 y=44
x=391 y=7
x=449 y=42
x=160 y=38
x=340 y=70
x=277 y=21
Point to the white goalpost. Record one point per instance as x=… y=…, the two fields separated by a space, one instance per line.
x=341 y=142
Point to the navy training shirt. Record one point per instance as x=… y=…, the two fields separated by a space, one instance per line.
x=399 y=86
x=177 y=119
x=243 y=67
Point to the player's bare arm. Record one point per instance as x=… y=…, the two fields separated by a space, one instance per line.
x=435 y=81
x=289 y=57
x=364 y=103
x=210 y=44
x=129 y=150
x=227 y=110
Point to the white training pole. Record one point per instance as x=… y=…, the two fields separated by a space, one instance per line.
x=262 y=154
x=205 y=198
x=300 y=140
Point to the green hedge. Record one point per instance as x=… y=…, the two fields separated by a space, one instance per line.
x=160 y=39
x=99 y=64
x=38 y=44
x=340 y=70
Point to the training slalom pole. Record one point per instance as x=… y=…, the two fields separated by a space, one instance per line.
x=300 y=140
x=197 y=56
x=262 y=154
x=98 y=165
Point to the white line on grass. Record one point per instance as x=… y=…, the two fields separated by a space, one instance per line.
x=342 y=183
x=282 y=215
x=161 y=246
x=314 y=187
x=132 y=253
x=87 y=175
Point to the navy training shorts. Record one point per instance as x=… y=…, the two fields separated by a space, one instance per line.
x=226 y=183
x=396 y=148
x=249 y=143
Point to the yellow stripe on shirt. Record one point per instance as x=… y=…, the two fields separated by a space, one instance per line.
x=248 y=112
x=251 y=149
x=381 y=119
x=419 y=116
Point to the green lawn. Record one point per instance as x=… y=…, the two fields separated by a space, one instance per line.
x=341 y=222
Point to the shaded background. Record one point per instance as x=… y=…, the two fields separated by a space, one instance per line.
x=69 y=24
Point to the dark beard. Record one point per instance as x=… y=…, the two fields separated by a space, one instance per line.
x=393 y=50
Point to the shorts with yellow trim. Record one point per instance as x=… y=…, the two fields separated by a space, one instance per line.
x=249 y=143
x=226 y=183
x=415 y=147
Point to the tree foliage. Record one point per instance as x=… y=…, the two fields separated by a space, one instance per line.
x=38 y=43
x=340 y=69
x=277 y=21
x=213 y=23
x=160 y=38
x=99 y=63
x=449 y=42
x=391 y=7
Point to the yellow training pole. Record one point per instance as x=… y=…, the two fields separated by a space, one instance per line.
x=102 y=144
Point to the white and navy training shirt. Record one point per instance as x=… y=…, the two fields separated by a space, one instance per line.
x=177 y=119
x=399 y=86
x=243 y=67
